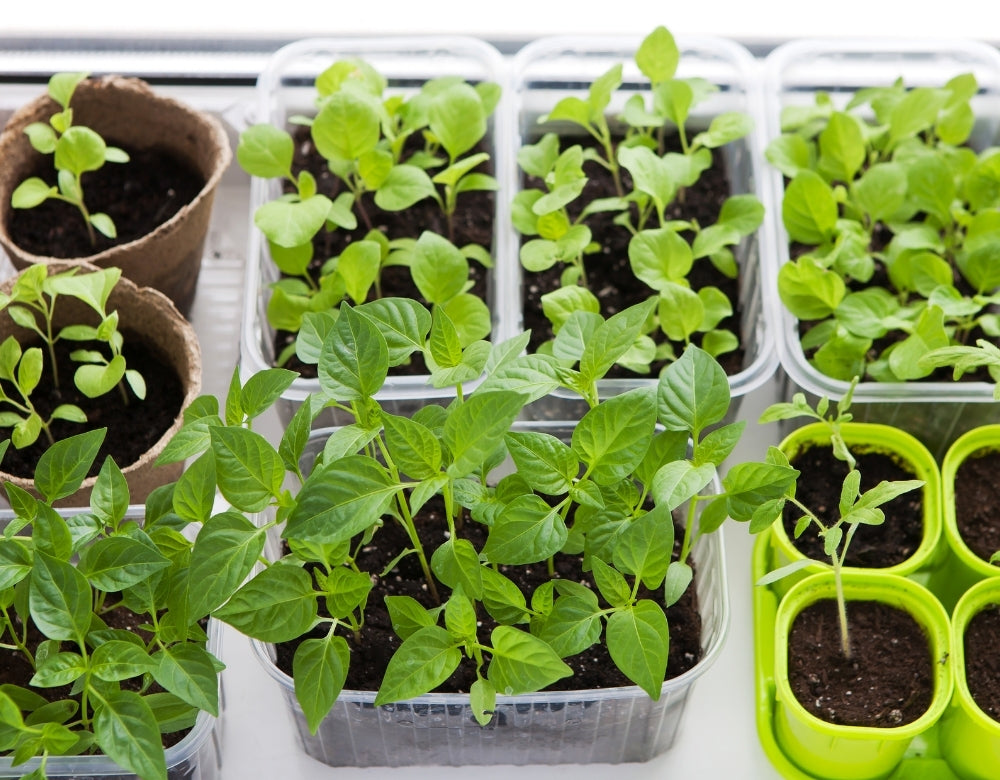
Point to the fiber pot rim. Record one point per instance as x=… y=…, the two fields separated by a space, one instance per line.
x=43 y=107
x=148 y=299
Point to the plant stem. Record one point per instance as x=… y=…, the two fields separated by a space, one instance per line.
x=845 y=639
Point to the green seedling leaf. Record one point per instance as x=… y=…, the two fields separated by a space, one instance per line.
x=638 y=640
x=475 y=429
x=190 y=673
x=277 y=605
x=809 y=209
x=692 y=393
x=59 y=599
x=422 y=662
x=250 y=472
x=523 y=663
x=126 y=730
x=319 y=669
x=355 y=358
x=62 y=467
x=612 y=438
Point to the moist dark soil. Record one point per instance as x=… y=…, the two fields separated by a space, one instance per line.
x=873 y=546
x=977 y=502
x=609 y=274
x=133 y=427
x=16 y=670
x=139 y=196
x=982 y=661
x=591 y=669
x=888 y=680
x=472 y=224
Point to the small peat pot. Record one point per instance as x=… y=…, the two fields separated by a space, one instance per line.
x=971 y=512
x=837 y=750
x=913 y=521
x=158 y=342
x=970 y=731
x=159 y=251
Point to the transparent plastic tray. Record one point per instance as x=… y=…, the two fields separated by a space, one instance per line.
x=935 y=412
x=549 y=69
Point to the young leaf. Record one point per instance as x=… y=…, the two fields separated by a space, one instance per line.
x=62 y=467
x=424 y=661
x=127 y=731
x=277 y=605
x=319 y=669
x=523 y=663
x=638 y=640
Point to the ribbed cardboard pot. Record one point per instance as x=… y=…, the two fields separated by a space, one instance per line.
x=150 y=316
x=126 y=112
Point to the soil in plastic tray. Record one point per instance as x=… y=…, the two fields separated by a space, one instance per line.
x=819 y=486
x=139 y=196
x=591 y=669
x=982 y=662
x=888 y=680
x=609 y=273
x=472 y=223
x=16 y=670
x=977 y=503
x=133 y=426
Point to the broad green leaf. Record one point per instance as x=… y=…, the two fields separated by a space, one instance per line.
x=414 y=448
x=440 y=270
x=119 y=562
x=693 y=392
x=613 y=338
x=808 y=209
x=527 y=530
x=404 y=186
x=59 y=599
x=750 y=485
x=120 y=660
x=645 y=546
x=355 y=358
x=250 y=473
x=109 y=499
x=340 y=500
x=573 y=624
x=194 y=494
x=62 y=467
x=456 y=563
x=277 y=605
x=263 y=388
x=612 y=438
x=59 y=669
x=292 y=223
x=346 y=127
x=809 y=291
x=15 y=562
x=547 y=464
x=223 y=555
x=30 y=193
x=679 y=481
x=189 y=672
x=359 y=266
x=523 y=663
x=424 y=661
x=404 y=324
x=79 y=150
x=319 y=669
x=265 y=151
x=638 y=640
x=841 y=147
x=457 y=119
x=658 y=55
x=475 y=428
x=126 y=730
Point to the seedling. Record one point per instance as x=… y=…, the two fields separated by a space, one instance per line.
x=853 y=510
x=607 y=494
x=32 y=305
x=555 y=216
x=898 y=196
x=64 y=578
x=367 y=139
x=76 y=150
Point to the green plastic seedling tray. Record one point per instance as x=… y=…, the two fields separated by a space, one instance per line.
x=923 y=759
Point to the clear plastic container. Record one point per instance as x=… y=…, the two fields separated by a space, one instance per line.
x=610 y=726
x=549 y=69
x=285 y=88
x=196 y=757
x=935 y=412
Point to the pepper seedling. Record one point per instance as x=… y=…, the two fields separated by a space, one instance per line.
x=76 y=149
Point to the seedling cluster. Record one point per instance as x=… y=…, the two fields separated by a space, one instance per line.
x=554 y=213
x=389 y=151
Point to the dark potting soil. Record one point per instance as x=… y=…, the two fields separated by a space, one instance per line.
x=591 y=669
x=472 y=223
x=133 y=427
x=977 y=503
x=873 y=546
x=889 y=679
x=16 y=670
x=139 y=196
x=609 y=274
x=982 y=661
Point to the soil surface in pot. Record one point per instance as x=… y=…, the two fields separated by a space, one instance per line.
x=16 y=670
x=977 y=503
x=889 y=679
x=982 y=661
x=133 y=427
x=139 y=196
x=591 y=669
x=472 y=223
x=873 y=546
x=609 y=273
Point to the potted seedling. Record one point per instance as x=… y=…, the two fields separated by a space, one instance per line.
x=69 y=155
x=378 y=184
x=826 y=451
x=106 y=669
x=406 y=523
x=855 y=661
x=885 y=179
x=83 y=348
x=640 y=185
